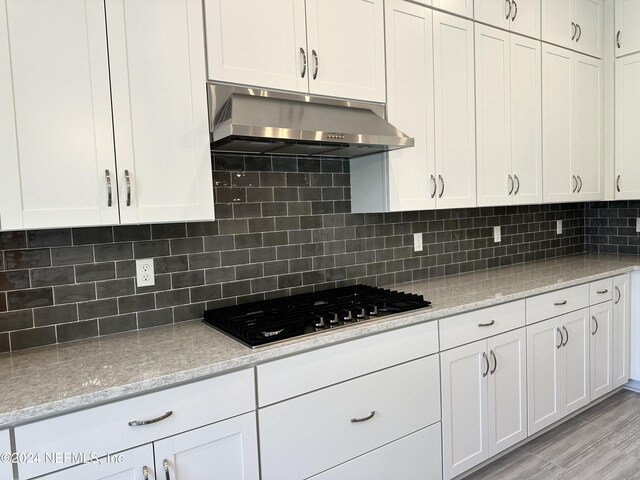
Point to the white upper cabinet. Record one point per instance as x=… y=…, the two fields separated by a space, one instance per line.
x=58 y=135
x=412 y=179
x=627 y=18
x=160 y=110
x=258 y=43
x=508 y=113
x=627 y=116
x=459 y=7
x=572 y=126
x=574 y=24
x=329 y=47
x=519 y=16
x=455 y=141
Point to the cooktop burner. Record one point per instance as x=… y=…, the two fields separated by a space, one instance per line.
x=269 y=321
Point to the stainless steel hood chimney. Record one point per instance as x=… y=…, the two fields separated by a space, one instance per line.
x=248 y=120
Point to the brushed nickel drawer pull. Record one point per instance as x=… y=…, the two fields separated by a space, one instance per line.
x=492 y=322
x=145 y=473
x=495 y=362
x=559 y=304
x=304 y=62
x=364 y=419
x=127 y=179
x=567 y=333
x=561 y=338
x=486 y=359
x=601 y=292
x=107 y=174
x=165 y=464
x=619 y=295
x=138 y=423
x=597 y=326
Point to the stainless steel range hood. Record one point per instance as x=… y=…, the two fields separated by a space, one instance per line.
x=246 y=120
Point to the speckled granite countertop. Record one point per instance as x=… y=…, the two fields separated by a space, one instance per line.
x=51 y=380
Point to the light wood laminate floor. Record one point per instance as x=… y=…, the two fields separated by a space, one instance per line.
x=601 y=443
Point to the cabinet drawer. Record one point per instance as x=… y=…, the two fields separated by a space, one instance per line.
x=105 y=429
x=472 y=326
x=557 y=303
x=600 y=291
x=6 y=469
x=309 y=434
x=414 y=456
x=299 y=374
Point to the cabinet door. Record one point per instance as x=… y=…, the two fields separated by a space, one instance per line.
x=627 y=114
x=465 y=440
x=525 y=17
x=575 y=365
x=495 y=181
x=621 y=330
x=558 y=23
x=459 y=7
x=63 y=127
x=128 y=465
x=627 y=32
x=544 y=341
x=412 y=180
x=557 y=108
x=588 y=15
x=494 y=12
x=346 y=45
x=415 y=456
x=258 y=43
x=10 y=195
x=507 y=399
x=160 y=110
x=587 y=127
x=526 y=120
x=455 y=140
x=228 y=449
x=601 y=349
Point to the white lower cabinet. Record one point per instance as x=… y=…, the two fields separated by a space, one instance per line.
x=601 y=349
x=557 y=368
x=621 y=330
x=483 y=400
x=312 y=433
x=416 y=456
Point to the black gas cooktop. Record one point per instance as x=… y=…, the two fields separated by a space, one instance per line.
x=268 y=321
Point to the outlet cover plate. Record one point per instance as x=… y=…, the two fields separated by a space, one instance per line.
x=417 y=242
x=145 y=275
x=559 y=227
x=497 y=235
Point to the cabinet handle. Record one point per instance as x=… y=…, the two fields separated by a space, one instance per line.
x=487 y=324
x=517 y=184
x=559 y=304
x=145 y=473
x=442 y=183
x=512 y=184
x=127 y=179
x=619 y=295
x=575 y=184
x=107 y=174
x=435 y=186
x=597 y=326
x=580 y=187
x=561 y=338
x=618 y=38
x=317 y=64
x=165 y=464
x=618 y=183
x=564 y=329
x=486 y=359
x=602 y=292
x=574 y=30
x=515 y=12
x=579 y=32
x=364 y=419
x=508 y=4
x=495 y=362
x=138 y=423
x=304 y=62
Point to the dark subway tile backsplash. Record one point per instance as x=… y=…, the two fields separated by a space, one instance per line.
x=283 y=227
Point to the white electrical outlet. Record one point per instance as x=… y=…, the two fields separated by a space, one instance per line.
x=417 y=242
x=638 y=225
x=559 y=227
x=497 y=236
x=144 y=272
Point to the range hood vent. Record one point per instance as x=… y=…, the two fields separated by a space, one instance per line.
x=246 y=120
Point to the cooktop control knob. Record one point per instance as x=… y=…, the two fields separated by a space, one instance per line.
x=319 y=322
x=333 y=319
x=362 y=314
x=372 y=310
x=346 y=315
